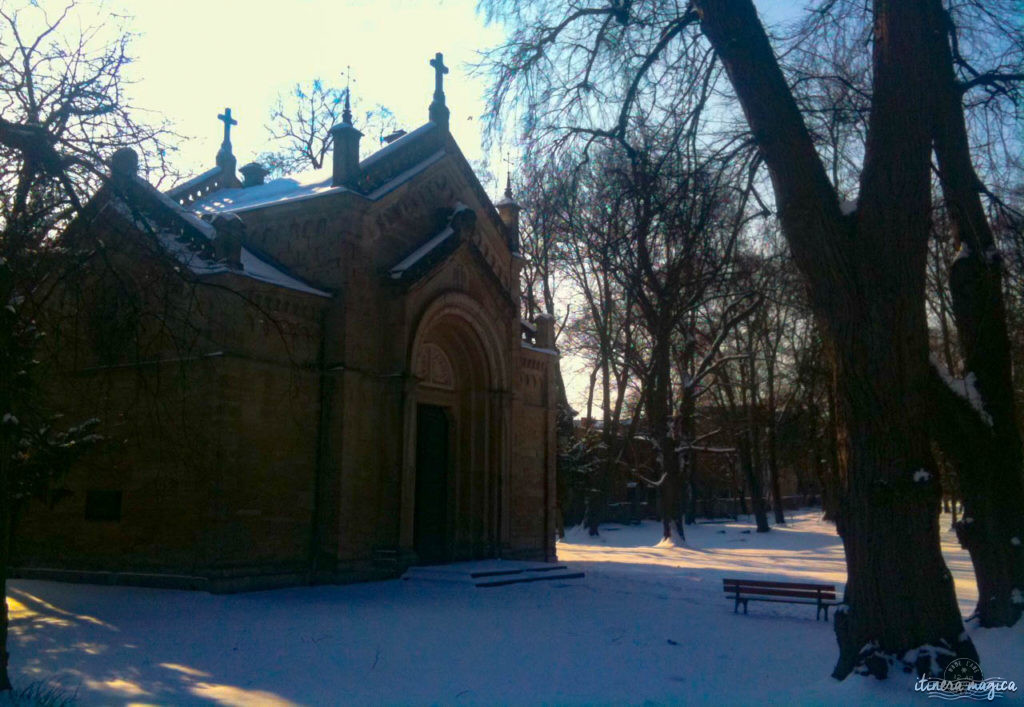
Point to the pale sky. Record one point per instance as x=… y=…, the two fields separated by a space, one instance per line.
x=196 y=57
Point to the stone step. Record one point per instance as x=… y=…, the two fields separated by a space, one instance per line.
x=492 y=573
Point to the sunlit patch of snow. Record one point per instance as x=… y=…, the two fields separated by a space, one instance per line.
x=673 y=540
x=647 y=623
x=116 y=686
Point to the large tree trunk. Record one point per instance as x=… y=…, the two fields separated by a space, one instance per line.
x=609 y=432
x=754 y=484
x=865 y=274
x=687 y=427
x=899 y=592
x=972 y=448
x=989 y=465
x=753 y=465
x=658 y=412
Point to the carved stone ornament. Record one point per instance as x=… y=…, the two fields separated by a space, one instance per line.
x=433 y=367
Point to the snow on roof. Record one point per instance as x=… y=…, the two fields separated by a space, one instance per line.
x=405 y=176
x=171 y=207
x=259 y=269
x=418 y=254
x=253 y=266
x=169 y=203
x=189 y=184
x=296 y=186
x=315 y=182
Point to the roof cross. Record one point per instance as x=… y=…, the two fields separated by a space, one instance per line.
x=228 y=122
x=439 y=71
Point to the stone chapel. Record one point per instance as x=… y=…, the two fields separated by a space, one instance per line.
x=357 y=392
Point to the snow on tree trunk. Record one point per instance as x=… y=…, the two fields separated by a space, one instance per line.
x=865 y=274
x=989 y=461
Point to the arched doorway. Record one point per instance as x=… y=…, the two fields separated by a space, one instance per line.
x=455 y=456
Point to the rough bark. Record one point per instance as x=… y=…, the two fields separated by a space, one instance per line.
x=753 y=466
x=988 y=465
x=866 y=283
x=971 y=446
x=659 y=407
x=754 y=484
x=687 y=454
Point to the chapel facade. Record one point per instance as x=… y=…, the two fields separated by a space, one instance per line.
x=357 y=392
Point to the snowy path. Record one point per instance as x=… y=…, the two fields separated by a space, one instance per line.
x=647 y=623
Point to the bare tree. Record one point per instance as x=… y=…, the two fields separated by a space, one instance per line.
x=64 y=104
x=864 y=267
x=301 y=122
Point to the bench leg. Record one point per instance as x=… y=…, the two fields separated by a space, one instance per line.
x=745 y=606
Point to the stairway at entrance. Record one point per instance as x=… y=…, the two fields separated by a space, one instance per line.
x=493 y=573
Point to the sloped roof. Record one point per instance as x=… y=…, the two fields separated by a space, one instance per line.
x=437 y=246
x=178 y=190
x=417 y=255
x=296 y=186
x=253 y=266
x=177 y=230
x=381 y=172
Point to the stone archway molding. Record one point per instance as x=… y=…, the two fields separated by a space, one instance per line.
x=460 y=305
x=457 y=318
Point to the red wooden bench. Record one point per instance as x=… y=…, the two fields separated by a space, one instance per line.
x=743 y=590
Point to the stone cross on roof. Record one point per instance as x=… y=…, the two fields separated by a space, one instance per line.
x=228 y=122
x=439 y=71
x=226 y=160
x=438 y=110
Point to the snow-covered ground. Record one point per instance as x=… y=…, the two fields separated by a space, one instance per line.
x=648 y=623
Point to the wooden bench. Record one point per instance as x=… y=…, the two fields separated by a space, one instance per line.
x=743 y=590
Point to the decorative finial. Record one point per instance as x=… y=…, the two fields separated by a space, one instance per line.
x=508 y=176
x=124 y=163
x=346 y=115
x=508 y=210
x=438 y=111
